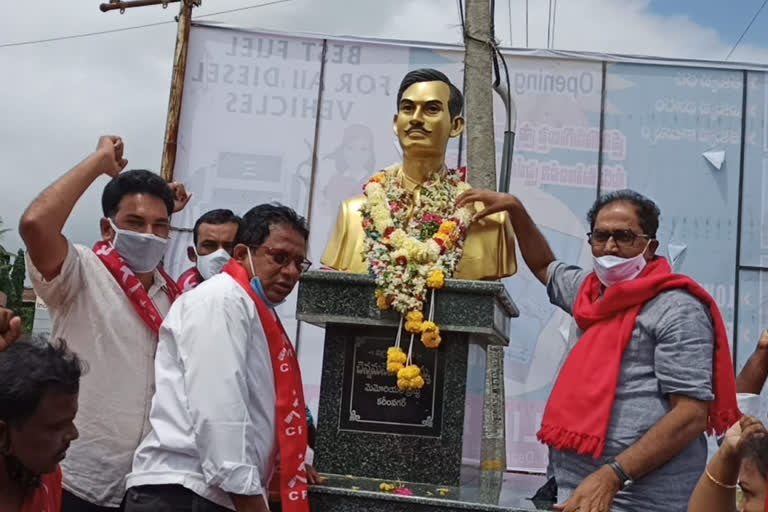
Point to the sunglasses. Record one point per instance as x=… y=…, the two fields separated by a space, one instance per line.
x=622 y=237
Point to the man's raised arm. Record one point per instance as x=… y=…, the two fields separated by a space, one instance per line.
x=44 y=219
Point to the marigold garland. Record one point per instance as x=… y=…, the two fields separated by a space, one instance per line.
x=412 y=246
x=430 y=335
x=395 y=360
x=410 y=378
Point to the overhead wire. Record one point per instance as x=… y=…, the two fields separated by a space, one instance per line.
x=135 y=27
x=749 y=25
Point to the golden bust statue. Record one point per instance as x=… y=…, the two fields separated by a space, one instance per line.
x=428 y=114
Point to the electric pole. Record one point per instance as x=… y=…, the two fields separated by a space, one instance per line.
x=177 y=75
x=481 y=173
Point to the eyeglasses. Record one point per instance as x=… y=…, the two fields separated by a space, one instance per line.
x=622 y=237
x=284 y=258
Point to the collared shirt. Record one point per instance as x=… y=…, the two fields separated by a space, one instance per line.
x=670 y=352
x=92 y=313
x=213 y=416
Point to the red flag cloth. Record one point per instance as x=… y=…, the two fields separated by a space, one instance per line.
x=132 y=287
x=47 y=497
x=189 y=279
x=291 y=412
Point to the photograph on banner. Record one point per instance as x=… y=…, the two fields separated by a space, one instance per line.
x=364 y=79
x=554 y=173
x=247 y=118
x=683 y=128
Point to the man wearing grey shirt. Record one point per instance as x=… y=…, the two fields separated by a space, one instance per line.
x=626 y=419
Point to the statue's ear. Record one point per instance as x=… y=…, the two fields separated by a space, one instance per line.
x=457 y=126
x=394 y=124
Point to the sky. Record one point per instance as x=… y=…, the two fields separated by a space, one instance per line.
x=57 y=97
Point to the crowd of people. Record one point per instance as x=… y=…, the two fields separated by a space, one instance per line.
x=193 y=397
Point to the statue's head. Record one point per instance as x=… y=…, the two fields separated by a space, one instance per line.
x=428 y=113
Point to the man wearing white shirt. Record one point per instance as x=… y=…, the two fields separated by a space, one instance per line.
x=109 y=302
x=228 y=398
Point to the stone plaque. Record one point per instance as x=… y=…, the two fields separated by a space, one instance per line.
x=371 y=401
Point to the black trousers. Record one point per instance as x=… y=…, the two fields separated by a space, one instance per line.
x=167 y=498
x=71 y=503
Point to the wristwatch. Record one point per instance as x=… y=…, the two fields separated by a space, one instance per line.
x=625 y=481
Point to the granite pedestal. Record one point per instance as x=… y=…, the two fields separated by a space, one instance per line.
x=341 y=493
x=366 y=426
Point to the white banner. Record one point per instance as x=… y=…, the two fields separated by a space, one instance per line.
x=246 y=130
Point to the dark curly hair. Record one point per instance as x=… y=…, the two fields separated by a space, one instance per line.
x=29 y=369
x=260 y=219
x=647 y=211
x=216 y=217
x=756 y=451
x=136 y=181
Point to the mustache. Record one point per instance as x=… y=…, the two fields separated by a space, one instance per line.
x=417 y=129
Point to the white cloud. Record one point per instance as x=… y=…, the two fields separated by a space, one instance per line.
x=57 y=98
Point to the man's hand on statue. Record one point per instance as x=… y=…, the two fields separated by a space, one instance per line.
x=313 y=477
x=493 y=202
x=10 y=328
x=594 y=494
x=180 y=196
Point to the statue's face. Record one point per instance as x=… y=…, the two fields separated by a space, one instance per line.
x=423 y=123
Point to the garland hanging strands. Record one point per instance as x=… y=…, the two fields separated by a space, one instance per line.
x=413 y=243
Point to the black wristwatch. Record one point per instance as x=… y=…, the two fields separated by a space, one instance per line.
x=625 y=481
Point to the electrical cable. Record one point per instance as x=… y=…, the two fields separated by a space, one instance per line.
x=746 y=29
x=136 y=27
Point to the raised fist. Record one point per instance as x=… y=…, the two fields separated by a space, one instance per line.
x=110 y=149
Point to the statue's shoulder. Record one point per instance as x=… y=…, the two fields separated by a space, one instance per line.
x=499 y=218
x=352 y=205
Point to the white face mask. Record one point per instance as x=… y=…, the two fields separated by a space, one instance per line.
x=140 y=251
x=211 y=264
x=612 y=270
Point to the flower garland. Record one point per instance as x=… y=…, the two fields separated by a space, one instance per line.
x=411 y=247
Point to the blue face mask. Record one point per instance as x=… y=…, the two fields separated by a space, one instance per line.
x=258 y=288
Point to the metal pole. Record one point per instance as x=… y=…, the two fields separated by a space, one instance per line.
x=481 y=151
x=177 y=90
x=598 y=188
x=739 y=219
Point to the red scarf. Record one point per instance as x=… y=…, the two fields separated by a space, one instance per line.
x=579 y=409
x=290 y=409
x=133 y=289
x=47 y=497
x=189 y=279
